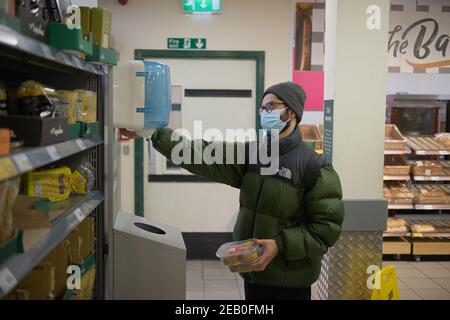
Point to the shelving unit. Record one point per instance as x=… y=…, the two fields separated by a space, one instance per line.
x=18 y=265
x=397 y=177
x=437 y=214
x=427 y=146
x=398 y=152
x=23 y=59
x=27 y=159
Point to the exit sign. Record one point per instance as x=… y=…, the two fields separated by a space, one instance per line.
x=202 y=6
x=186 y=43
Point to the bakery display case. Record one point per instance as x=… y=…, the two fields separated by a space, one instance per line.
x=416 y=174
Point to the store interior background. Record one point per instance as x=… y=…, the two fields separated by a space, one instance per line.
x=236 y=29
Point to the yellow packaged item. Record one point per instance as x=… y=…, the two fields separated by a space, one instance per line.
x=87 y=105
x=53 y=184
x=82 y=179
x=71 y=98
x=8 y=193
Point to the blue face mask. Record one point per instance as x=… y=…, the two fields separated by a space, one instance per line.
x=271 y=120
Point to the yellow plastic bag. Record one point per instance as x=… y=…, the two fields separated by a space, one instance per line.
x=53 y=184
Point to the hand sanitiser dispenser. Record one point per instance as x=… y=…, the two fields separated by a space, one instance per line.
x=142 y=96
x=149 y=258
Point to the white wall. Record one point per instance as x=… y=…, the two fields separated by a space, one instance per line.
x=254 y=25
x=264 y=25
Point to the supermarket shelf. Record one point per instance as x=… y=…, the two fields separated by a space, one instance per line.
x=396 y=234
x=27 y=159
x=16 y=41
x=431 y=178
x=426 y=146
x=18 y=265
x=432 y=206
x=397 y=177
x=432 y=153
x=428 y=217
x=400 y=206
x=400 y=152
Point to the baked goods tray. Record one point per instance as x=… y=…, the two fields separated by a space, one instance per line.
x=442 y=228
x=427 y=146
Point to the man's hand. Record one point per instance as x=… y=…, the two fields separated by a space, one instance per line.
x=270 y=252
x=128 y=133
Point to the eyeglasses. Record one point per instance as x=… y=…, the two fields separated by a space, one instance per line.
x=269 y=106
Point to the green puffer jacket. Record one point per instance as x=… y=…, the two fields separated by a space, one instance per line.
x=300 y=207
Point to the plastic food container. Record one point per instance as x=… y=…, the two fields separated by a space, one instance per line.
x=239 y=253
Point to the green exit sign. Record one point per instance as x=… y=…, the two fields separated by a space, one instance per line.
x=202 y=6
x=186 y=43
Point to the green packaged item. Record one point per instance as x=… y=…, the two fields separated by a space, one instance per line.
x=103 y=55
x=75 y=130
x=64 y=38
x=89 y=129
x=12 y=246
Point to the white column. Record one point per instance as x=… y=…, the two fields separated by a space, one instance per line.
x=356 y=37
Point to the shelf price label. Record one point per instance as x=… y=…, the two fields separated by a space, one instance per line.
x=22 y=162
x=428 y=207
x=417 y=234
x=79 y=214
x=53 y=153
x=81 y=144
x=7 y=280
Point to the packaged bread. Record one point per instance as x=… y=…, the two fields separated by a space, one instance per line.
x=71 y=99
x=53 y=184
x=432 y=195
x=444 y=139
x=397 y=229
x=239 y=252
x=401 y=194
x=86 y=105
x=387 y=194
x=36 y=100
x=423 y=228
x=396 y=222
x=427 y=168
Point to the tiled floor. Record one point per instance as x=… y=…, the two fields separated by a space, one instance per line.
x=210 y=280
x=422 y=280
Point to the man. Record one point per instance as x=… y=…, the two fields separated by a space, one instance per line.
x=296 y=214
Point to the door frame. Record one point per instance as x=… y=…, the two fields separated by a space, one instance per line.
x=141 y=54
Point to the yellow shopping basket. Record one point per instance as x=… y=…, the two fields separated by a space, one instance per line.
x=388 y=289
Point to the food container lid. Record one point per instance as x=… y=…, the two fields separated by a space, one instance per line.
x=238 y=248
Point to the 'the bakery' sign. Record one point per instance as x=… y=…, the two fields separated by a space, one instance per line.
x=419 y=41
